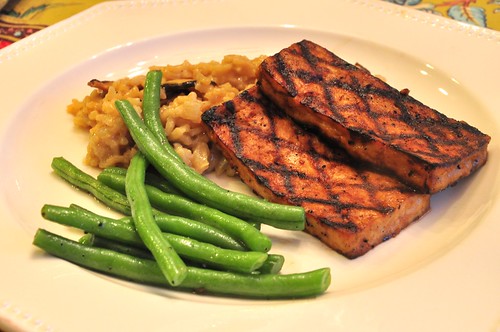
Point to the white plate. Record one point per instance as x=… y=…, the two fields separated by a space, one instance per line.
x=442 y=273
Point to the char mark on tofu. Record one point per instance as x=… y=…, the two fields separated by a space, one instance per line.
x=373 y=121
x=349 y=207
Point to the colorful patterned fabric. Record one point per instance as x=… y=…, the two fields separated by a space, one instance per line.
x=483 y=13
x=21 y=18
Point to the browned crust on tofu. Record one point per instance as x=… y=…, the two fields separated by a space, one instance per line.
x=348 y=207
x=371 y=120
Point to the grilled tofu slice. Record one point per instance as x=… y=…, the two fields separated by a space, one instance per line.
x=371 y=120
x=348 y=207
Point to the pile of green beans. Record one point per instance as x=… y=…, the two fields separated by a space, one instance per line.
x=124 y=231
x=178 y=205
x=200 y=280
x=170 y=203
x=167 y=236
x=199 y=188
x=172 y=266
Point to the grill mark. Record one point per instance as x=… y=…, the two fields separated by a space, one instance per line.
x=284 y=71
x=305 y=49
x=255 y=164
x=350 y=226
x=319 y=162
x=434 y=138
x=361 y=92
x=405 y=116
x=355 y=88
x=278 y=160
x=319 y=166
x=276 y=168
x=432 y=145
x=272 y=113
x=334 y=201
x=312 y=60
x=344 y=206
x=230 y=121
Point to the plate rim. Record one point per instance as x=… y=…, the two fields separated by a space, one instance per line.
x=9 y=312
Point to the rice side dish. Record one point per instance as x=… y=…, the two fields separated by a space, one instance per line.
x=194 y=88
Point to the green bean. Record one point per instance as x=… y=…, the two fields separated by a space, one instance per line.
x=87 y=239
x=167 y=223
x=114 y=177
x=265 y=286
x=224 y=259
x=113 y=197
x=269 y=265
x=152 y=179
x=168 y=260
x=86 y=182
x=151 y=105
x=123 y=231
x=99 y=259
x=177 y=205
x=166 y=161
x=201 y=258
x=93 y=240
x=272 y=265
x=75 y=216
x=270 y=286
x=196 y=230
x=234 y=227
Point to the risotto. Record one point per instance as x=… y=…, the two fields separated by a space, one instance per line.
x=210 y=83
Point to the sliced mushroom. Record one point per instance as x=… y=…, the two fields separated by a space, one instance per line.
x=101 y=85
x=176 y=87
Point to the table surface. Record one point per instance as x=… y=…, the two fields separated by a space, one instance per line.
x=21 y=18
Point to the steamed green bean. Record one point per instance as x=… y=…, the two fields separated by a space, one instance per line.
x=123 y=231
x=265 y=286
x=172 y=266
x=166 y=222
x=177 y=205
x=93 y=240
x=115 y=198
x=151 y=105
x=167 y=163
x=86 y=182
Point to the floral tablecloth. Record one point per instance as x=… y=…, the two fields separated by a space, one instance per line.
x=21 y=18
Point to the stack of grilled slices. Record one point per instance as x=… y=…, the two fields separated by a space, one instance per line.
x=361 y=157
